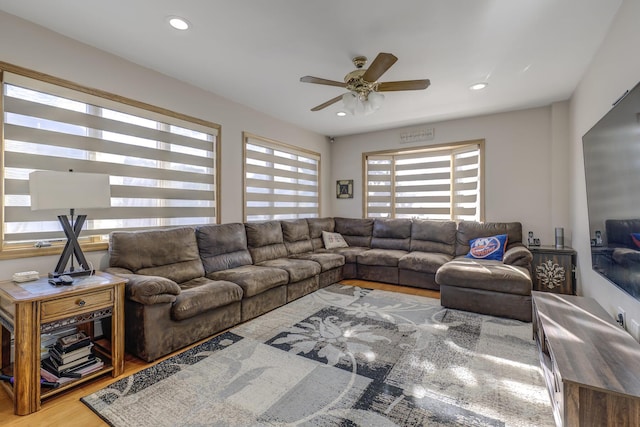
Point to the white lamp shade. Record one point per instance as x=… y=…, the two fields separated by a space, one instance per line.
x=68 y=190
x=357 y=106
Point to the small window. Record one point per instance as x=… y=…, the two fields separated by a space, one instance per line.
x=281 y=181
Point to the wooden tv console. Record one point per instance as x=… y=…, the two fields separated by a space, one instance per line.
x=590 y=364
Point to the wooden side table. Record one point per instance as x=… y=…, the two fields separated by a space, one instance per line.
x=553 y=269
x=30 y=309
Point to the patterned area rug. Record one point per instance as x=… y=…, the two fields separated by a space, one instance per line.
x=344 y=356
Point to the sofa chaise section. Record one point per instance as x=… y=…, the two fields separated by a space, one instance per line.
x=169 y=302
x=225 y=256
x=499 y=288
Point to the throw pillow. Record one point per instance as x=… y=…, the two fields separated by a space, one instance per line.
x=636 y=239
x=333 y=240
x=488 y=247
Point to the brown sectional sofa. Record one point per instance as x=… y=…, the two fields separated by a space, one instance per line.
x=188 y=283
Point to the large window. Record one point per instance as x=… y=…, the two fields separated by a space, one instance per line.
x=162 y=165
x=281 y=181
x=443 y=182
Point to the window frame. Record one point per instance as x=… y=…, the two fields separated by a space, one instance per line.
x=445 y=147
x=90 y=243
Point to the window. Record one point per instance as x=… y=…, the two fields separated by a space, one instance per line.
x=441 y=182
x=281 y=181
x=162 y=165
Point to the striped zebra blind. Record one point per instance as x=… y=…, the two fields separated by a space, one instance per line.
x=441 y=183
x=162 y=165
x=281 y=181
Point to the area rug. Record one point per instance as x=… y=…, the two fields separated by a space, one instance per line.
x=344 y=356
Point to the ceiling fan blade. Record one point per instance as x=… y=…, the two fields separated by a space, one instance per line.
x=326 y=104
x=379 y=66
x=403 y=85
x=317 y=80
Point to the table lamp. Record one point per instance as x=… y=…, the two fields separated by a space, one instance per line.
x=51 y=190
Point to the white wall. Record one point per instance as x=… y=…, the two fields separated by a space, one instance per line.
x=33 y=47
x=526 y=164
x=615 y=68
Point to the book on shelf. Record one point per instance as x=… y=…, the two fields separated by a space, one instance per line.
x=50 y=373
x=72 y=342
x=69 y=368
x=69 y=356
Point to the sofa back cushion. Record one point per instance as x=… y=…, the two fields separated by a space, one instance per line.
x=433 y=236
x=391 y=234
x=265 y=241
x=222 y=246
x=171 y=253
x=469 y=230
x=356 y=231
x=316 y=227
x=296 y=236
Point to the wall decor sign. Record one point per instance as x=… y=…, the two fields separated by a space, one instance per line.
x=344 y=189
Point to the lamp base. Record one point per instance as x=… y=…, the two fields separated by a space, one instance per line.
x=75 y=273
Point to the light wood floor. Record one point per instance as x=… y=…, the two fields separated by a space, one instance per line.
x=67 y=410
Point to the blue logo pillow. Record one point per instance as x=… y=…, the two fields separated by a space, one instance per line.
x=488 y=247
x=636 y=239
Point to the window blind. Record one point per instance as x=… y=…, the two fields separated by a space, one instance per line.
x=162 y=165
x=281 y=181
x=435 y=183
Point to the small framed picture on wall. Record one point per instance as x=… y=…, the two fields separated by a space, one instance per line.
x=344 y=189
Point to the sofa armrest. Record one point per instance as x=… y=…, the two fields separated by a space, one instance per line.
x=147 y=290
x=519 y=256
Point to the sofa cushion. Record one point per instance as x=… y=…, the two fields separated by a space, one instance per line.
x=424 y=262
x=350 y=254
x=316 y=227
x=296 y=236
x=265 y=241
x=202 y=294
x=381 y=257
x=391 y=234
x=253 y=279
x=327 y=260
x=171 y=253
x=298 y=269
x=223 y=246
x=488 y=275
x=356 y=231
x=433 y=236
x=333 y=240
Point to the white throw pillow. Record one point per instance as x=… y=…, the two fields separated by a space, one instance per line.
x=333 y=240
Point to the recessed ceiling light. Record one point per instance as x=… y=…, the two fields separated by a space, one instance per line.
x=178 y=23
x=478 y=86
x=341 y=114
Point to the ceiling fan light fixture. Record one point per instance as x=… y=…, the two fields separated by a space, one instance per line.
x=341 y=114
x=178 y=23
x=479 y=86
x=362 y=104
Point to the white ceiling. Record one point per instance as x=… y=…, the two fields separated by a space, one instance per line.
x=531 y=52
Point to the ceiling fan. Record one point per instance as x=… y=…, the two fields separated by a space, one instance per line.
x=363 y=82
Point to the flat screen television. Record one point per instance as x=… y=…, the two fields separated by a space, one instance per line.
x=612 y=171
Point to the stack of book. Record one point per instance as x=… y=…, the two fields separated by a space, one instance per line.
x=71 y=357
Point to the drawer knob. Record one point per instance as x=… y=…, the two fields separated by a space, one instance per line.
x=81 y=303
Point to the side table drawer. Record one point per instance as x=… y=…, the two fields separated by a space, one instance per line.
x=77 y=304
